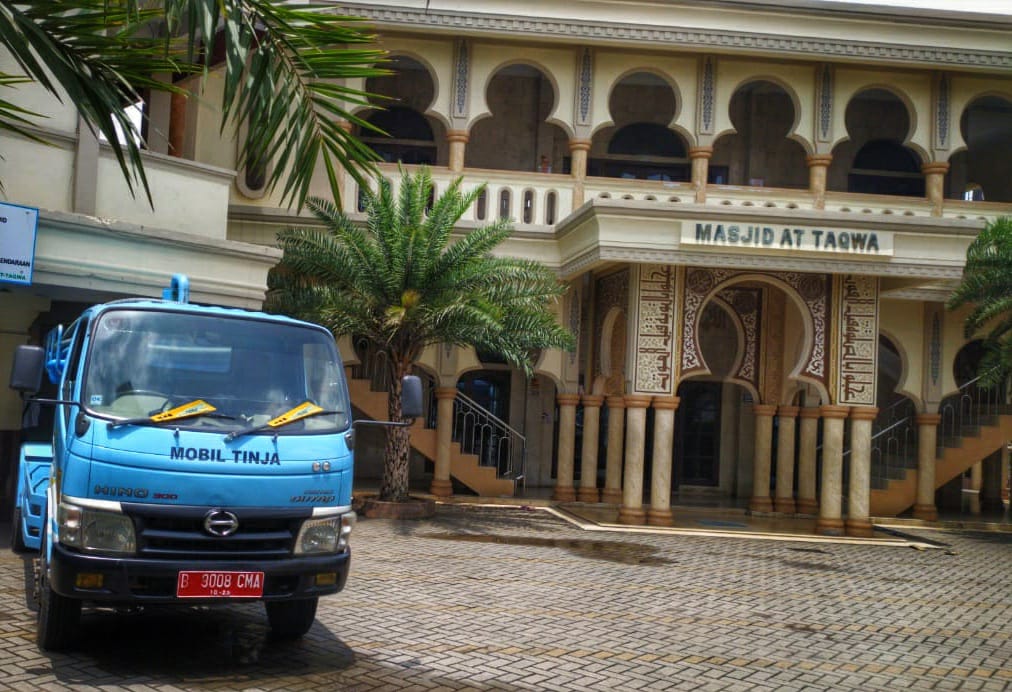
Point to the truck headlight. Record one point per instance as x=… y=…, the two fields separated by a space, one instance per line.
x=328 y=535
x=96 y=531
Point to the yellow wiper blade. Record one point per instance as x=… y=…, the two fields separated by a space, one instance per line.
x=194 y=408
x=303 y=410
x=198 y=407
x=306 y=408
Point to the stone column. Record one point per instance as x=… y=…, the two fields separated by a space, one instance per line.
x=927 y=439
x=807 y=504
x=761 y=458
x=830 y=521
x=441 y=485
x=564 y=491
x=578 y=150
x=787 y=417
x=659 y=513
x=631 y=511
x=458 y=144
x=934 y=185
x=177 y=124
x=818 y=165
x=700 y=158
x=858 y=520
x=976 y=483
x=612 y=493
x=587 y=491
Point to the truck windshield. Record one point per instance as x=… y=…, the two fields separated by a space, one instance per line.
x=144 y=362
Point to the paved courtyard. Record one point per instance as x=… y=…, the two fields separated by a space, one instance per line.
x=482 y=598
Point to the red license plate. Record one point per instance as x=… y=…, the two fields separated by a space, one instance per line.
x=198 y=584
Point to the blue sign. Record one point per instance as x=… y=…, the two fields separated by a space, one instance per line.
x=18 y=228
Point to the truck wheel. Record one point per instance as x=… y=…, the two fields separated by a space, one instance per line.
x=59 y=616
x=291 y=619
x=17 y=539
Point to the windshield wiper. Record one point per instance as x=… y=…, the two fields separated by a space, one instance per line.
x=192 y=409
x=303 y=410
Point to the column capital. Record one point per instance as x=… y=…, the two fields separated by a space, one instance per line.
x=811 y=412
x=458 y=136
x=594 y=400
x=788 y=411
x=617 y=401
x=764 y=409
x=567 y=399
x=830 y=411
x=669 y=403
x=928 y=418
x=638 y=401
x=446 y=392
x=815 y=160
x=863 y=412
x=935 y=167
x=579 y=145
x=703 y=152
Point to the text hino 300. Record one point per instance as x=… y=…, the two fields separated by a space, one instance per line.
x=199 y=455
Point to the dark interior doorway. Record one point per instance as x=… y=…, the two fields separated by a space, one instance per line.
x=697 y=434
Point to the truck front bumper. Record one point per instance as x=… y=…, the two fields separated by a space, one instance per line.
x=142 y=580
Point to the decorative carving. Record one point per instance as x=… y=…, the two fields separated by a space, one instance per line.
x=586 y=82
x=858 y=340
x=460 y=79
x=706 y=96
x=942 y=113
x=812 y=288
x=825 y=103
x=747 y=305
x=611 y=291
x=574 y=319
x=936 y=348
x=655 y=331
x=576 y=29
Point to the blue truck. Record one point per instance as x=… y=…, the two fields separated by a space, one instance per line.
x=199 y=455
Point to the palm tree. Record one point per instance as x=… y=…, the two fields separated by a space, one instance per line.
x=987 y=286
x=399 y=281
x=282 y=61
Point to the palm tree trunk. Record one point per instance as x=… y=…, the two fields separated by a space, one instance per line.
x=394 y=487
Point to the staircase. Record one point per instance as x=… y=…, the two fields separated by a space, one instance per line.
x=464 y=467
x=975 y=423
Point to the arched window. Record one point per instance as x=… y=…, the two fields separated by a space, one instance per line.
x=409 y=136
x=646 y=151
x=886 y=167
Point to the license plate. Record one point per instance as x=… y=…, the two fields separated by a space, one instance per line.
x=202 y=584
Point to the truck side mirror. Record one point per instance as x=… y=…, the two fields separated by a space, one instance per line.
x=26 y=371
x=411 y=397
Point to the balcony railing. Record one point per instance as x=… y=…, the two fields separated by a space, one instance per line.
x=537 y=201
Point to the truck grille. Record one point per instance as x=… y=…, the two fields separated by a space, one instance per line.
x=168 y=532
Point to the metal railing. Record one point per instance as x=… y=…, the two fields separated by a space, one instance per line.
x=969 y=408
x=475 y=428
x=491 y=439
x=893 y=442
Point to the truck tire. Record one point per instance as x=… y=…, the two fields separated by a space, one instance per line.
x=59 y=616
x=17 y=539
x=291 y=619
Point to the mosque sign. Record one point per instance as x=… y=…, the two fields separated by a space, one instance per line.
x=790 y=239
x=18 y=229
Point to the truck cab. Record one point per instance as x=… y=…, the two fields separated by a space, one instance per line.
x=199 y=455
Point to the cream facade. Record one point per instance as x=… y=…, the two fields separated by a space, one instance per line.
x=759 y=208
